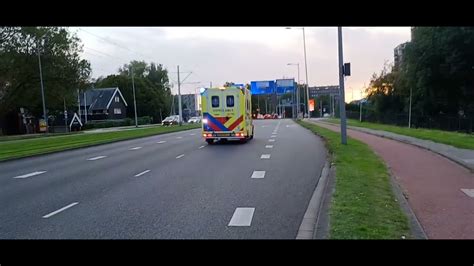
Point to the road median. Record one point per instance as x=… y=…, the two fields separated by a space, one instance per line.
x=16 y=149
x=363 y=205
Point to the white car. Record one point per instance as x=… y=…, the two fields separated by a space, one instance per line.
x=194 y=119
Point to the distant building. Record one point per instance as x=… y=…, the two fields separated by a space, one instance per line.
x=103 y=104
x=398 y=54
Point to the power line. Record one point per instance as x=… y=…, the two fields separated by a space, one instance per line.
x=116 y=44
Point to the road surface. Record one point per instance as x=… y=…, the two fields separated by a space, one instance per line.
x=171 y=186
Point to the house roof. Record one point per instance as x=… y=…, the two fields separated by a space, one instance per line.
x=100 y=99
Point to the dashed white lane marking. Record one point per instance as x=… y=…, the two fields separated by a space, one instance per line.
x=142 y=173
x=96 y=158
x=192 y=134
x=60 y=210
x=469 y=192
x=269 y=146
x=242 y=217
x=161 y=141
x=264 y=126
x=179 y=137
x=271 y=140
x=30 y=174
x=179 y=156
x=265 y=156
x=202 y=146
x=273 y=136
x=258 y=174
x=135 y=148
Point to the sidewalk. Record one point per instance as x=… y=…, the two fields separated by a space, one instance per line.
x=464 y=157
x=439 y=191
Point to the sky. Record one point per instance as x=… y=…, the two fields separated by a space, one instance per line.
x=244 y=54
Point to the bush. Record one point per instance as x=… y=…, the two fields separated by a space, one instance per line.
x=144 y=120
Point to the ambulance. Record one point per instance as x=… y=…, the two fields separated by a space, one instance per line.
x=226 y=114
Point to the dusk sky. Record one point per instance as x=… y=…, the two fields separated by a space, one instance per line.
x=243 y=54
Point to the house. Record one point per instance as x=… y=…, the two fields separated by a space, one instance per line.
x=103 y=104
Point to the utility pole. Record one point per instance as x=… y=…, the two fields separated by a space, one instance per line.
x=134 y=98
x=179 y=100
x=342 y=106
x=409 y=112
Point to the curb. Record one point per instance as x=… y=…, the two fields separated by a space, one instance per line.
x=311 y=217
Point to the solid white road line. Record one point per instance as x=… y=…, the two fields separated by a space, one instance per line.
x=269 y=146
x=469 y=192
x=96 y=158
x=161 y=141
x=136 y=148
x=30 y=174
x=202 y=146
x=142 y=173
x=179 y=156
x=265 y=156
x=242 y=217
x=258 y=174
x=60 y=210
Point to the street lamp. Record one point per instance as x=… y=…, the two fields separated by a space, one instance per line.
x=306 y=69
x=297 y=87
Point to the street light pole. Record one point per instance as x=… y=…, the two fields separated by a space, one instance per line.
x=179 y=100
x=134 y=98
x=42 y=91
x=342 y=106
x=297 y=88
x=306 y=69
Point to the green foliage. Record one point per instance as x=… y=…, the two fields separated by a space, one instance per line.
x=152 y=88
x=63 y=70
x=438 y=65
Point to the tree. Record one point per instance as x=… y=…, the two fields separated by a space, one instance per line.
x=151 y=86
x=63 y=70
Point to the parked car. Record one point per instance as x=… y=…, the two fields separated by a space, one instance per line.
x=171 y=120
x=194 y=120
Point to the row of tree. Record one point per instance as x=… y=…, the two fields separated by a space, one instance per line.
x=64 y=72
x=438 y=66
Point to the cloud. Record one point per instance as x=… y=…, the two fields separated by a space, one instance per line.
x=221 y=54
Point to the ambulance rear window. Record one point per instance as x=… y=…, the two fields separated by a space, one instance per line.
x=215 y=101
x=230 y=101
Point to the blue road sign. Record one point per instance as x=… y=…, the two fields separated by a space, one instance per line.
x=262 y=87
x=285 y=86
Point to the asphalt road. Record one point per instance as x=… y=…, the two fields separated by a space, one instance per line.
x=171 y=186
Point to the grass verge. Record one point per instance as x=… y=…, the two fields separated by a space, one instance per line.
x=456 y=139
x=363 y=205
x=13 y=149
